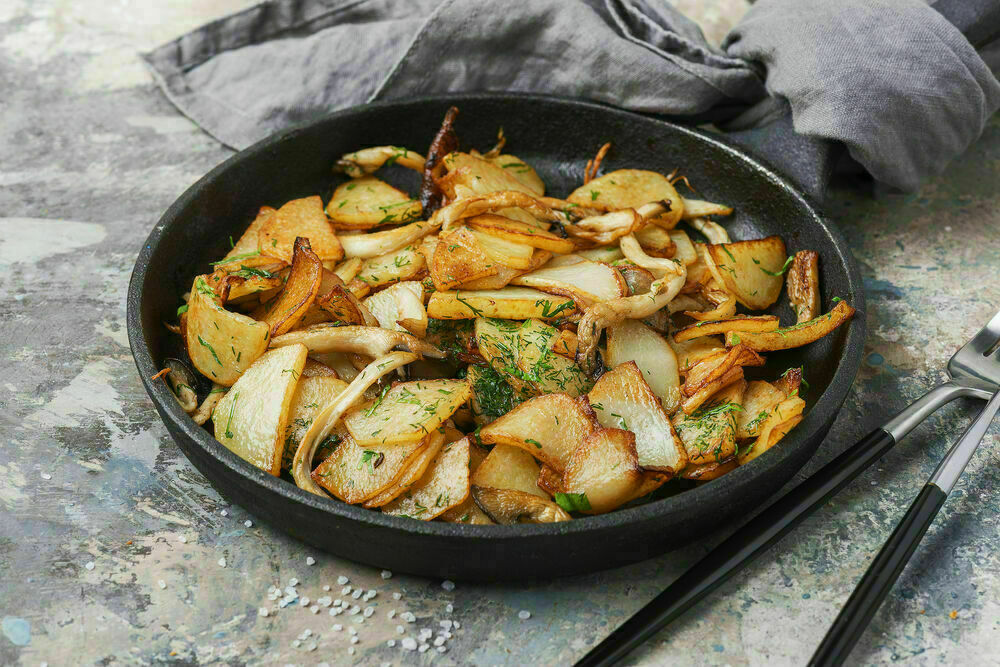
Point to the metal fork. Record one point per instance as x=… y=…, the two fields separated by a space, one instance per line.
x=976 y=363
x=973 y=371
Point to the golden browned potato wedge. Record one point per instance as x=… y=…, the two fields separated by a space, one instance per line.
x=354 y=474
x=696 y=208
x=407 y=412
x=541 y=367
x=769 y=439
x=509 y=253
x=415 y=470
x=248 y=244
x=796 y=335
x=292 y=303
x=505 y=274
x=250 y=419
x=755 y=323
x=221 y=344
x=547 y=427
x=709 y=433
x=564 y=344
x=367 y=202
x=520 y=170
x=519 y=232
x=342 y=308
x=724 y=302
x=508 y=506
x=443 y=486
x=402 y=301
x=403 y=264
x=632 y=340
x=691 y=352
x=605 y=469
x=300 y=217
x=629 y=188
x=376 y=244
x=481 y=177
x=622 y=399
x=312 y=394
x=585 y=282
x=508 y=467
x=512 y=303
x=549 y=481
x=803 y=285
x=750 y=270
x=459 y=258
x=656 y=241
x=712 y=368
x=468 y=511
x=759 y=401
x=348 y=269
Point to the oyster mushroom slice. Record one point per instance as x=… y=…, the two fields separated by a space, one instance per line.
x=182 y=382
x=369 y=160
x=326 y=420
x=371 y=341
x=507 y=506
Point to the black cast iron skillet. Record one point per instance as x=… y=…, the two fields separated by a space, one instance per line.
x=556 y=136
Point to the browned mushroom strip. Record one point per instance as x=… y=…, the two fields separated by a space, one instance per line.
x=371 y=341
x=207 y=407
x=445 y=141
x=368 y=160
x=803 y=285
x=508 y=506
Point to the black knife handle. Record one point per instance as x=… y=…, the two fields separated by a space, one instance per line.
x=879 y=579
x=740 y=549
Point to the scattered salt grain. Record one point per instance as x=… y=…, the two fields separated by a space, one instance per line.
x=391 y=613
x=457 y=626
x=359 y=619
x=342 y=580
x=304 y=602
x=350 y=650
x=306 y=634
x=442 y=649
x=325 y=601
x=293 y=582
x=358 y=593
x=296 y=643
x=445 y=624
x=162 y=584
x=326 y=587
x=409 y=643
x=262 y=611
x=448 y=585
x=423 y=648
x=310 y=560
x=346 y=590
x=182 y=539
x=438 y=641
x=408 y=616
x=399 y=630
x=397 y=596
x=46 y=476
x=222 y=562
x=248 y=523
x=224 y=513
x=352 y=631
x=354 y=640
x=314 y=609
x=337 y=627
x=89 y=565
x=524 y=614
x=391 y=643
x=386 y=574
x=369 y=611
x=449 y=608
x=311 y=646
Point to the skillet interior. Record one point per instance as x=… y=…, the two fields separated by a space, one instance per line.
x=557 y=137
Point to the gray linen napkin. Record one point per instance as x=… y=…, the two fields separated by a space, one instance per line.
x=895 y=81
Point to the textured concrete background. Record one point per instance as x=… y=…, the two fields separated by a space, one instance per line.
x=92 y=154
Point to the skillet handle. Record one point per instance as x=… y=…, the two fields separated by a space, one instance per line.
x=739 y=549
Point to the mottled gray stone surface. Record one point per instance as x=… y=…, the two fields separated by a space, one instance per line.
x=92 y=154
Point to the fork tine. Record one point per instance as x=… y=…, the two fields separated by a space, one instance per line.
x=985 y=342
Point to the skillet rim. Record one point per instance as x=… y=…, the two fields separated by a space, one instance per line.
x=814 y=427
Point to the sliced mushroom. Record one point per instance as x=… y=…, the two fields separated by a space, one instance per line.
x=183 y=383
x=445 y=141
x=372 y=341
x=368 y=160
x=207 y=407
x=713 y=231
x=507 y=506
x=447 y=217
x=803 y=285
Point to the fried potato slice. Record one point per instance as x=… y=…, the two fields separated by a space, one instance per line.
x=696 y=208
x=755 y=323
x=459 y=258
x=416 y=467
x=512 y=303
x=221 y=344
x=542 y=368
x=750 y=270
x=585 y=282
x=348 y=269
x=481 y=177
x=499 y=342
x=367 y=202
x=509 y=253
x=407 y=412
x=250 y=419
x=300 y=291
x=248 y=244
x=622 y=399
x=508 y=467
x=709 y=433
x=403 y=264
x=342 y=308
x=656 y=241
x=505 y=274
x=444 y=485
x=630 y=188
x=803 y=285
x=354 y=474
x=564 y=344
x=605 y=254
x=468 y=511
x=519 y=232
x=759 y=399
x=796 y=335
x=312 y=394
x=770 y=439
x=549 y=481
x=403 y=301
x=605 y=467
x=691 y=352
x=520 y=170
x=712 y=368
x=375 y=244
x=548 y=427
x=299 y=217
x=632 y=340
